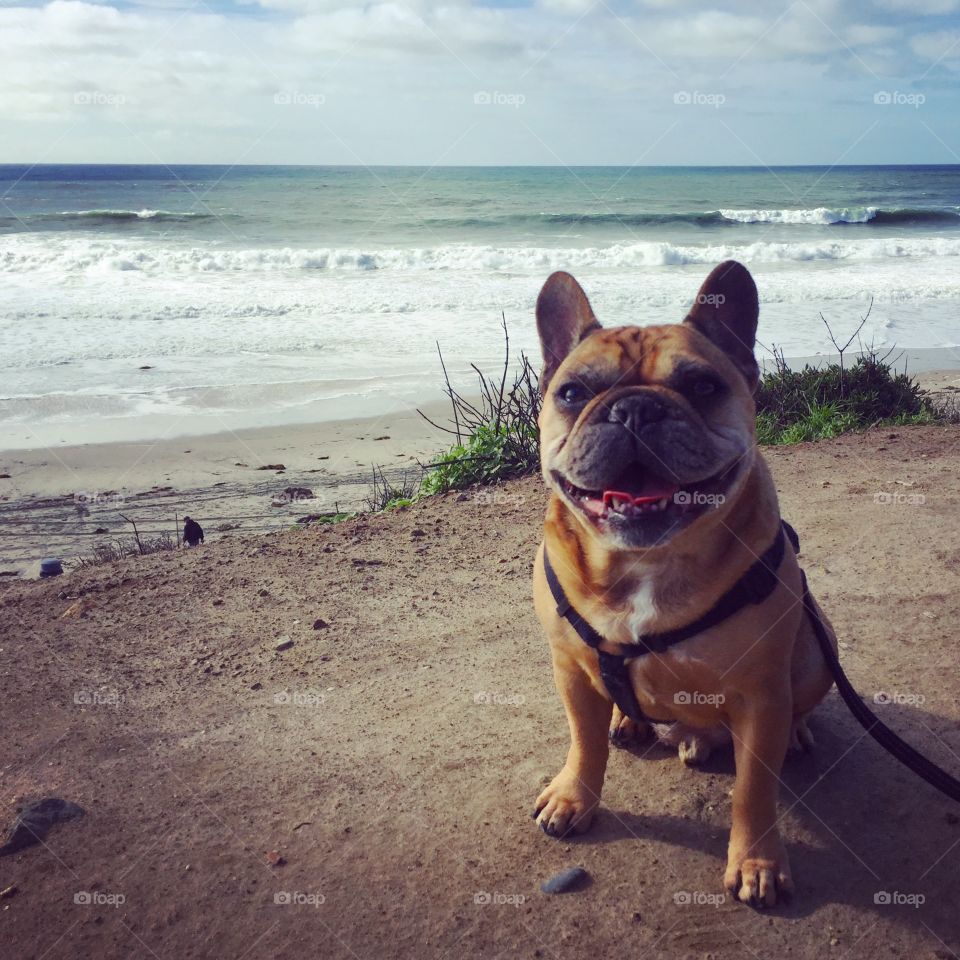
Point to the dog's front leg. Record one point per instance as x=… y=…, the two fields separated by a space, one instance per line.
x=757 y=867
x=569 y=803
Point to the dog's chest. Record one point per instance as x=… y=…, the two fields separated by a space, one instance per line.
x=641 y=610
x=657 y=679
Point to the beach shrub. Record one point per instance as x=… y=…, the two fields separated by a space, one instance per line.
x=820 y=403
x=496 y=436
x=385 y=494
x=492 y=453
x=113 y=550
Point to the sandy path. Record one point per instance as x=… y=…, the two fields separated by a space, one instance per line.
x=392 y=756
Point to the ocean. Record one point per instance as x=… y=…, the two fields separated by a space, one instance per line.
x=259 y=296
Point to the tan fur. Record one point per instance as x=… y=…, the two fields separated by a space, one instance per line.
x=758 y=673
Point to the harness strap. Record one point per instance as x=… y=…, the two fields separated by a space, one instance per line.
x=756 y=584
x=759 y=580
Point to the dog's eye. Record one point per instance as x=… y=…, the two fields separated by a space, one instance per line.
x=571 y=394
x=704 y=387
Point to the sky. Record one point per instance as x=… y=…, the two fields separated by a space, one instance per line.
x=462 y=82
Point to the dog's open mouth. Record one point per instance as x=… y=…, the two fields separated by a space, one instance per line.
x=638 y=496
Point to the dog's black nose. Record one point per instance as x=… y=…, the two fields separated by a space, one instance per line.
x=637 y=410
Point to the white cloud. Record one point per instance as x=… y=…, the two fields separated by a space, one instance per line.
x=922 y=8
x=944 y=45
x=395 y=81
x=409 y=29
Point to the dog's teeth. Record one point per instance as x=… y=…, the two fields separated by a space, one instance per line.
x=663 y=503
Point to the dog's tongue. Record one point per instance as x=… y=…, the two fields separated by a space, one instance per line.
x=630 y=493
x=642 y=490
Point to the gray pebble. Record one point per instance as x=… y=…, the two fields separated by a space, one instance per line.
x=573 y=879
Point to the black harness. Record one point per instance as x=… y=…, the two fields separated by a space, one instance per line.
x=756 y=584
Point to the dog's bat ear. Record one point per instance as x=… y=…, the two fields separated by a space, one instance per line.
x=726 y=311
x=564 y=318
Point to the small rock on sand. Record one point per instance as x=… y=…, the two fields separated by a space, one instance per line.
x=35 y=820
x=575 y=878
x=284 y=643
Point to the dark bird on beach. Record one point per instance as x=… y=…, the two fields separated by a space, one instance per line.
x=192 y=532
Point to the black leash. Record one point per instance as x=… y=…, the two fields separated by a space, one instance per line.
x=907 y=755
x=756 y=584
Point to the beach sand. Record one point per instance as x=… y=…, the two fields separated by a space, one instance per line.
x=373 y=704
x=55 y=500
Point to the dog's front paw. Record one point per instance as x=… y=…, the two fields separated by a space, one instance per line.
x=566 y=806
x=759 y=875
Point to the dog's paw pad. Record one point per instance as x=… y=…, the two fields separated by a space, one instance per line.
x=566 y=807
x=759 y=882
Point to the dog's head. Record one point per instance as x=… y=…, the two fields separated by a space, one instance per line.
x=646 y=431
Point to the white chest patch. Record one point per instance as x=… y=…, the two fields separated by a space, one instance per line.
x=643 y=611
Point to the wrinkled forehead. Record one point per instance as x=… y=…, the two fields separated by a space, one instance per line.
x=639 y=354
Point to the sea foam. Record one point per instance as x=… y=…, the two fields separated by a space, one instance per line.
x=66 y=257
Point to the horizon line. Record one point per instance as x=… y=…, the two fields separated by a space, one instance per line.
x=473 y=166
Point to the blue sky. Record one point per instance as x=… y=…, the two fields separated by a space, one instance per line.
x=549 y=81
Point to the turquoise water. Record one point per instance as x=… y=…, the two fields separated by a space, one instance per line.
x=266 y=294
x=389 y=207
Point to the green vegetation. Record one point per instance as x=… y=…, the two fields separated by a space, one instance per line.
x=386 y=495
x=496 y=437
x=794 y=406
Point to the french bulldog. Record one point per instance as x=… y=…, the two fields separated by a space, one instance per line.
x=660 y=502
